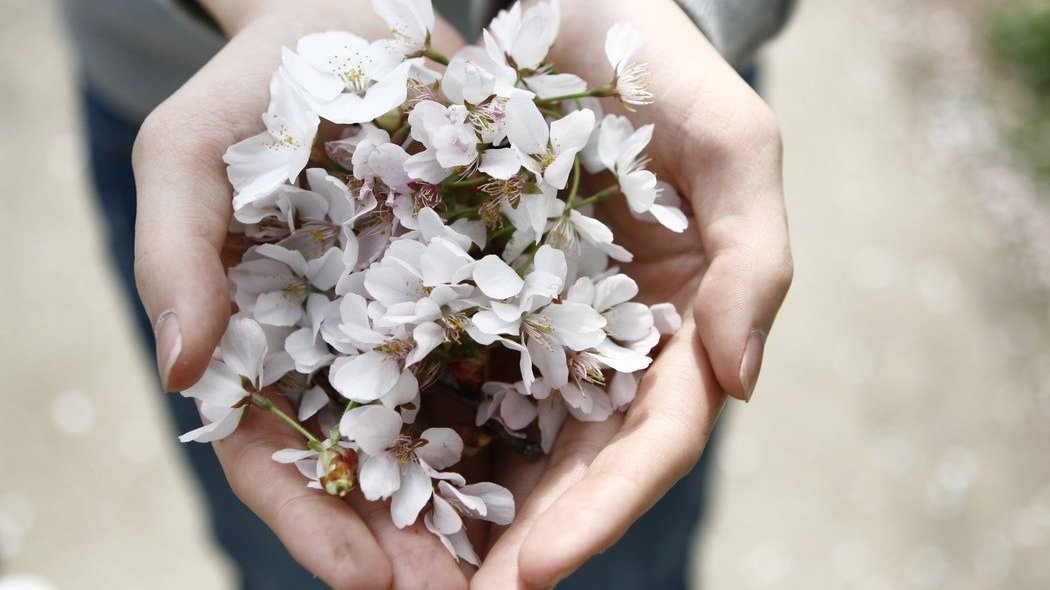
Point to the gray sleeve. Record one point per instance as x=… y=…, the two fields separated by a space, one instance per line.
x=738 y=28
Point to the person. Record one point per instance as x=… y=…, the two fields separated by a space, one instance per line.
x=168 y=85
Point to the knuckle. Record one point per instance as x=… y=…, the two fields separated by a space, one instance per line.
x=170 y=133
x=784 y=274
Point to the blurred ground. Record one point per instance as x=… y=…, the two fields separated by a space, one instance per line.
x=898 y=438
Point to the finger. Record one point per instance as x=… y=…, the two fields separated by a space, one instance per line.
x=320 y=531
x=418 y=560
x=662 y=437
x=540 y=485
x=743 y=228
x=184 y=203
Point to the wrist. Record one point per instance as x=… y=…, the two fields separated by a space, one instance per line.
x=233 y=16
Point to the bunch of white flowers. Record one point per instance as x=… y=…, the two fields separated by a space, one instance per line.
x=409 y=228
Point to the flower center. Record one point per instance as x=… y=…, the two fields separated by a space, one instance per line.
x=397 y=349
x=539 y=328
x=356 y=80
x=585 y=367
x=405 y=448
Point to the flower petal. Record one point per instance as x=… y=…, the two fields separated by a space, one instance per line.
x=379 y=476
x=444 y=447
x=414 y=493
x=499 y=502
x=373 y=428
x=496 y=278
x=526 y=127
x=500 y=163
x=366 y=377
x=244 y=347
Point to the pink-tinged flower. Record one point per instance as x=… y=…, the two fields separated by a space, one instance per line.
x=259 y=164
x=547 y=151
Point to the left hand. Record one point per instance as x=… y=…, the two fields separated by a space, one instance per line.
x=718 y=143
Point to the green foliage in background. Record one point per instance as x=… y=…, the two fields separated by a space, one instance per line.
x=1020 y=41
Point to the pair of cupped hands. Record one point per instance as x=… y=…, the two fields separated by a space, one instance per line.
x=715 y=141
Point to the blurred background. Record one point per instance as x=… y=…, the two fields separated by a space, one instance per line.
x=900 y=434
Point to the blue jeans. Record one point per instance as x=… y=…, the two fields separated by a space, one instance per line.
x=654 y=555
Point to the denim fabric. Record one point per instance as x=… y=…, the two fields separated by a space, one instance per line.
x=653 y=555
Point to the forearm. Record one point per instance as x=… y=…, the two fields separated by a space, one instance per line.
x=233 y=15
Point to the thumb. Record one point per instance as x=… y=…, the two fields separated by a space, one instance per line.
x=184 y=202
x=744 y=230
x=183 y=214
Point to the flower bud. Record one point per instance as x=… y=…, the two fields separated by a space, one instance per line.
x=340 y=470
x=390 y=121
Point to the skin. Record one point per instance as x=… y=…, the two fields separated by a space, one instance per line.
x=716 y=141
x=718 y=144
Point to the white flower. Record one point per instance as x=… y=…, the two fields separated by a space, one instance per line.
x=545 y=328
x=385 y=372
x=483 y=501
x=631 y=80
x=411 y=21
x=466 y=82
x=275 y=282
x=568 y=230
x=586 y=402
x=309 y=221
x=347 y=79
x=509 y=403
x=261 y=163
x=626 y=320
x=666 y=209
x=620 y=147
x=229 y=380
x=525 y=39
x=547 y=151
x=399 y=466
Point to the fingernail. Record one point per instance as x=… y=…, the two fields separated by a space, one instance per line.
x=169 y=344
x=752 y=362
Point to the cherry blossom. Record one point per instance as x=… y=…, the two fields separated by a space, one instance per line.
x=403 y=224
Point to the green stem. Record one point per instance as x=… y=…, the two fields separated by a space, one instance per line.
x=599 y=196
x=575 y=183
x=599 y=92
x=469 y=182
x=436 y=55
x=261 y=402
x=502 y=232
x=462 y=213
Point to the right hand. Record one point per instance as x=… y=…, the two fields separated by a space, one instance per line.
x=184 y=209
